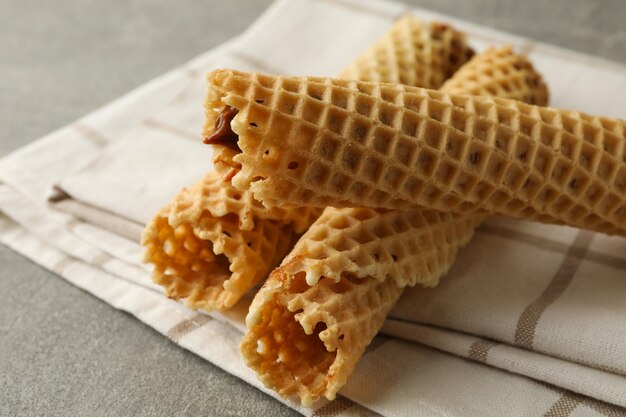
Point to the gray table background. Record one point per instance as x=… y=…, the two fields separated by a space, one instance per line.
x=62 y=59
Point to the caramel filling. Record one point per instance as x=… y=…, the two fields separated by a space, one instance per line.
x=223 y=133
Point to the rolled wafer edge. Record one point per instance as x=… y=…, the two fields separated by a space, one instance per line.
x=354 y=254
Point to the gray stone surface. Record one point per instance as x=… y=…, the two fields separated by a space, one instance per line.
x=65 y=353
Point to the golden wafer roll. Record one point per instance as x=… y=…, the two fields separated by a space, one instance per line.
x=303 y=339
x=213 y=243
x=412 y=53
x=312 y=320
x=331 y=142
x=499 y=72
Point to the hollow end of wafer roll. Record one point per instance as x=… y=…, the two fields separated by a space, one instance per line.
x=212 y=243
x=211 y=264
x=186 y=266
x=304 y=341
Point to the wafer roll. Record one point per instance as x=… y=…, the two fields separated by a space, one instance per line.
x=214 y=243
x=304 y=341
x=330 y=142
x=312 y=320
x=412 y=53
x=499 y=72
x=315 y=315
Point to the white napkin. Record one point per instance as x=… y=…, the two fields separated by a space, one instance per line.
x=538 y=310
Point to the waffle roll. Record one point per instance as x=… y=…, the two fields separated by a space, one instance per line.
x=499 y=72
x=213 y=243
x=304 y=341
x=412 y=53
x=312 y=320
x=308 y=141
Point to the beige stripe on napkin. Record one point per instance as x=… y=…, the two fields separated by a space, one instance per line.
x=98 y=217
x=527 y=323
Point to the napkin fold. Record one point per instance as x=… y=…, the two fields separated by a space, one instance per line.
x=531 y=320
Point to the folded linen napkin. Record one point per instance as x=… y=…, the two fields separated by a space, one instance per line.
x=542 y=305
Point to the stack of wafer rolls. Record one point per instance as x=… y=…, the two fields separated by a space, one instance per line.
x=213 y=243
x=315 y=315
